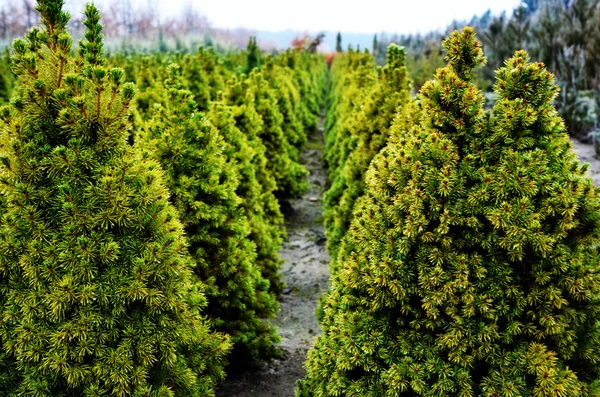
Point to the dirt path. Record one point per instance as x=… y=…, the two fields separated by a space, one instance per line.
x=586 y=154
x=306 y=272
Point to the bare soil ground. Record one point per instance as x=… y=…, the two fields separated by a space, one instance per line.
x=306 y=272
x=586 y=154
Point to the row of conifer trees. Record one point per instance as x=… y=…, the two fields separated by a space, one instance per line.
x=140 y=207
x=465 y=242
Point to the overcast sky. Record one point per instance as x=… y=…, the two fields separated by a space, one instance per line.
x=370 y=16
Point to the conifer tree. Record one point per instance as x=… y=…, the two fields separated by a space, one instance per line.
x=98 y=296
x=240 y=99
x=288 y=102
x=205 y=76
x=357 y=78
x=259 y=203
x=368 y=135
x=290 y=176
x=148 y=84
x=471 y=265
x=202 y=181
x=338 y=42
x=253 y=55
x=310 y=78
x=375 y=47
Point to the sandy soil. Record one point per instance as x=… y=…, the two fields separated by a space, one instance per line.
x=586 y=154
x=306 y=272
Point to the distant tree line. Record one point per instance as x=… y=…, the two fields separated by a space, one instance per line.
x=564 y=34
x=128 y=23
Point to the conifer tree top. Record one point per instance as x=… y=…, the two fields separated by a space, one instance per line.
x=452 y=102
x=396 y=56
x=54 y=19
x=530 y=81
x=464 y=52
x=91 y=49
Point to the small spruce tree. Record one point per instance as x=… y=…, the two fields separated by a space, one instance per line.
x=338 y=42
x=471 y=267
x=148 y=85
x=97 y=291
x=204 y=75
x=288 y=100
x=310 y=80
x=290 y=176
x=368 y=135
x=356 y=79
x=259 y=204
x=6 y=77
x=375 y=47
x=253 y=55
x=203 y=181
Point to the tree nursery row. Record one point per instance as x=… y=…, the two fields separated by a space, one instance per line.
x=141 y=222
x=464 y=240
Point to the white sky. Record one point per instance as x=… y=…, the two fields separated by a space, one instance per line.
x=372 y=16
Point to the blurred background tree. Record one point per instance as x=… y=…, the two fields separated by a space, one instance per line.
x=564 y=34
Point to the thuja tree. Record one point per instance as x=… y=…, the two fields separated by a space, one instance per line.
x=97 y=291
x=369 y=133
x=259 y=203
x=202 y=181
x=471 y=267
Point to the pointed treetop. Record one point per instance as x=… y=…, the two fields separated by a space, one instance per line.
x=396 y=56
x=452 y=85
x=524 y=108
x=53 y=17
x=464 y=52
x=177 y=93
x=520 y=79
x=375 y=45
x=91 y=49
x=253 y=55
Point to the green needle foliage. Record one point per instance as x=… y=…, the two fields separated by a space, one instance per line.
x=368 y=135
x=6 y=78
x=353 y=76
x=471 y=266
x=148 y=85
x=205 y=76
x=259 y=204
x=310 y=79
x=281 y=81
x=97 y=292
x=253 y=56
x=203 y=181
x=262 y=203
x=290 y=177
